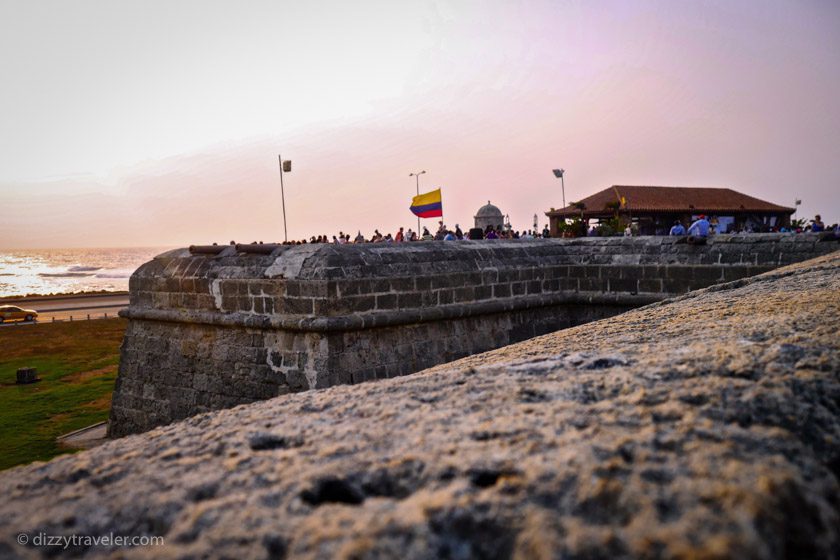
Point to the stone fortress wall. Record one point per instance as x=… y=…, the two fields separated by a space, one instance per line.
x=213 y=327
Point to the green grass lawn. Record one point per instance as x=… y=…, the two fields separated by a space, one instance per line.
x=77 y=364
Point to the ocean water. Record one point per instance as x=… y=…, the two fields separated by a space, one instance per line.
x=66 y=271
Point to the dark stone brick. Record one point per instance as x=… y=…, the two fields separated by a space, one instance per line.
x=483 y=292
x=550 y=285
x=593 y=284
x=558 y=272
x=299 y=306
x=623 y=285
x=650 y=286
x=501 y=290
x=408 y=300
x=362 y=303
x=579 y=271
x=508 y=275
x=569 y=284
x=402 y=284
x=387 y=301
x=314 y=288
x=464 y=294
x=534 y=287
x=672 y=286
x=708 y=275
x=680 y=273
x=652 y=271
x=380 y=285
x=292 y=288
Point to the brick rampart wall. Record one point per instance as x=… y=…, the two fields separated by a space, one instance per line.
x=209 y=330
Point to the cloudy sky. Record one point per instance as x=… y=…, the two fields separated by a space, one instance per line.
x=140 y=123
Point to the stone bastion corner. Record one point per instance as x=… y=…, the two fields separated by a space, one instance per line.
x=212 y=327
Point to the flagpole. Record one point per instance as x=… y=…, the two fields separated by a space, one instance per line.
x=418 y=194
x=283 y=197
x=417 y=182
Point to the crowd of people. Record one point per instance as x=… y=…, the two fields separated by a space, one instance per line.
x=443 y=233
x=701 y=228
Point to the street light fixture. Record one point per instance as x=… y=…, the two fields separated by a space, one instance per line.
x=559 y=174
x=287 y=167
x=417 y=181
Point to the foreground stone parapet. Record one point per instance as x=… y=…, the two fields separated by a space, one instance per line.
x=705 y=427
x=214 y=327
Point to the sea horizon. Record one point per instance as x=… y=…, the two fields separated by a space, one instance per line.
x=56 y=271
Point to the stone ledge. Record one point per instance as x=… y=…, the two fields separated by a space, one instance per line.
x=374 y=319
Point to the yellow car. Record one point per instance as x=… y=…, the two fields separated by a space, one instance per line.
x=12 y=313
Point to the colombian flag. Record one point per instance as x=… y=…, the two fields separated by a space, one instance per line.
x=427 y=205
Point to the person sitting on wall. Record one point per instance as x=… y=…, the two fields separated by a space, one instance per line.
x=677 y=229
x=817 y=224
x=698 y=231
x=491 y=233
x=449 y=236
x=426 y=235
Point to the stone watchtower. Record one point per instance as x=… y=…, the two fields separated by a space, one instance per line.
x=489 y=215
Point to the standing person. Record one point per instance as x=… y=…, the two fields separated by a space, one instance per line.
x=458 y=233
x=677 y=229
x=698 y=231
x=700 y=228
x=441 y=232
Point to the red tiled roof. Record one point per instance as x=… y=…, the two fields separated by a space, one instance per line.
x=674 y=199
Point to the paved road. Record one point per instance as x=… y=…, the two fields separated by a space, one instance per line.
x=77 y=307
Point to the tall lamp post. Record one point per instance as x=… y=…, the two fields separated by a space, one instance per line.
x=287 y=167
x=417 y=182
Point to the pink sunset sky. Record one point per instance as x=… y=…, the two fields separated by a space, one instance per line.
x=152 y=123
